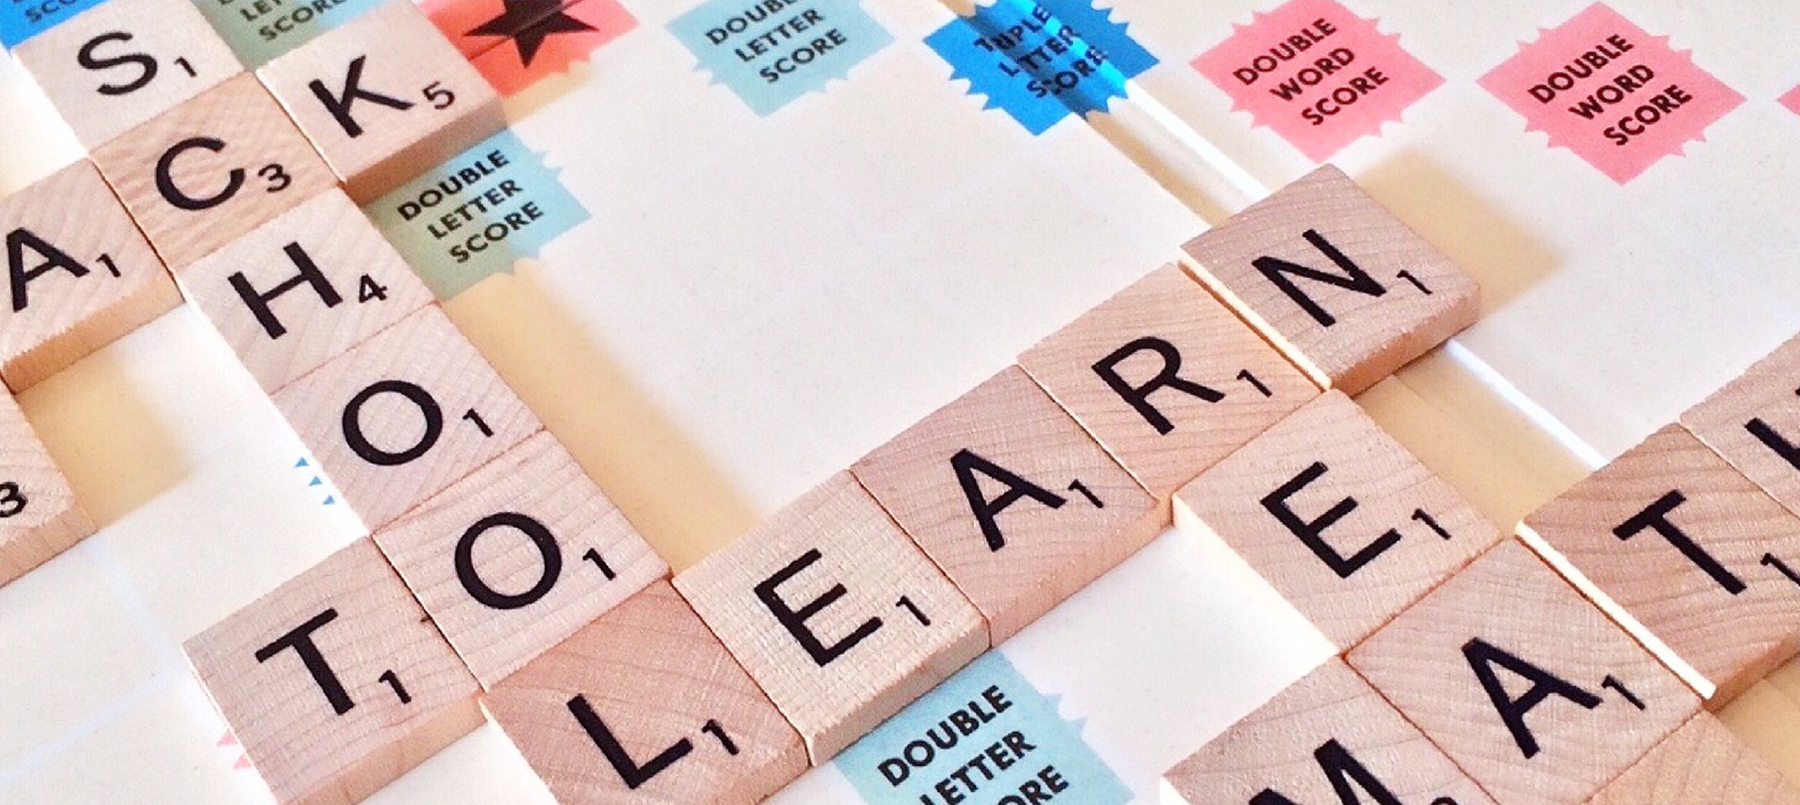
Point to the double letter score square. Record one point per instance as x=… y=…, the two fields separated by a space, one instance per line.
x=1167 y=378
x=1011 y=498
x=1334 y=279
x=405 y=414
x=835 y=613
x=517 y=556
x=384 y=98
x=645 y=707
x=336 y=683
x=1346 y=524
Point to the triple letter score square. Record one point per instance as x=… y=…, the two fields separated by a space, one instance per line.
x=1344 y=288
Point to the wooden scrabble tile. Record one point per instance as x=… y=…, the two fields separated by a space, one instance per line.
x=1345 y=523
x=80 y=275
x=336 y=683
x=404 y=415
x=1522 y=682
x=1335 y=280
x=213 y=168
x=38 y=515
x=518 y=555
x=1754 y=422
x=303 y=288
x=1700 y=764
x=1167 y=378
x=1688 y=553
x=1011 y=498
x=646 y=707
x=835 y=613
x=123 y=62
x=1328 y=731
x=385 y=97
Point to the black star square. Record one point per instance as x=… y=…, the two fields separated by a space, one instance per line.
x=528 y=23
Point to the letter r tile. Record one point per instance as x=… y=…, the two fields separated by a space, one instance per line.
x=1346 y=524
x=1326 y=729
x=336 y=683
x=1335 y=280
x=1526 y=685
x=834 y=611
x=1167 y=378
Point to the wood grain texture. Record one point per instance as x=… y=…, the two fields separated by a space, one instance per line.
x=229 y=160
x=384 y=98
x=67 y=235
x=992 y=485
x=524 y=524
x=1754 y=422
x=1700 y=764
x=316 y=281
x=38 y=514
x=121 y=63
x=847 y=580
x=1711 y=589
x=692 y=724
x=1345 y=523
x=1360 y=318
x=361 y=628
x=410 y=392
x=1324 y=725
x=1560 y=670
x=1197 y=381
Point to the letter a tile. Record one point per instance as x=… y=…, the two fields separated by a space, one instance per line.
x=336 y=683
x=1525 y=684
x=1335 y=280
x=80 y=275
x=834 y=611
x=1018 y=505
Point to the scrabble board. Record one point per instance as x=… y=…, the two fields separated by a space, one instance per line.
x=737 y=272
